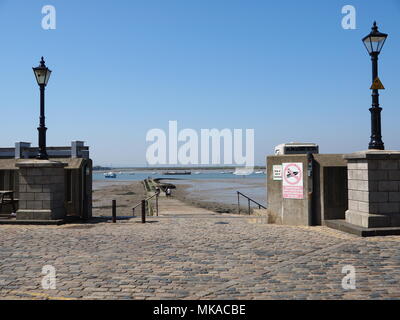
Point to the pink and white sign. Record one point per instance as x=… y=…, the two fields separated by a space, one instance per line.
x=292 y=183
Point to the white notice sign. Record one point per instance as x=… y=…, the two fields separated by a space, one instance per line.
x=277 y=173
x=292 y=185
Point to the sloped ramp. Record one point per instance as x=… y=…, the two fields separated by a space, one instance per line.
x=175 y=207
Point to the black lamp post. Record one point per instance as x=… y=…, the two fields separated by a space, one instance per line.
x=42 y=74
x=374 y=43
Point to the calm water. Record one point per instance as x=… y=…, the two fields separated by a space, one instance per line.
x=211 y=185
x=203 y=175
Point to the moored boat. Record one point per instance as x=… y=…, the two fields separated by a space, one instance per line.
x=243 y=171
x=177 y=173
x=110 y=175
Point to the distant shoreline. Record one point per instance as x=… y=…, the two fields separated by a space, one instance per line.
x=106 y=169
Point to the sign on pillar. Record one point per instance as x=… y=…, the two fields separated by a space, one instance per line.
x=277 y=173
x=292 y=184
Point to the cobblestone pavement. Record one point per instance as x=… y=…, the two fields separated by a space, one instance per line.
x=195 y=257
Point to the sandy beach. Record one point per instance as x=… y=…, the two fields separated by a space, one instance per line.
x=126 y=193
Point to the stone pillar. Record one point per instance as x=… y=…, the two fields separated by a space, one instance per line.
x=75 y=146
x=20 y=151
x=41 y=190
x=374 y=189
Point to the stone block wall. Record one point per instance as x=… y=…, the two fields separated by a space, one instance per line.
x=41 y=190
x=374 y=189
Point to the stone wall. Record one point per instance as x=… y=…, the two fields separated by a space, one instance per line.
x=374 y=185
x=41 y=190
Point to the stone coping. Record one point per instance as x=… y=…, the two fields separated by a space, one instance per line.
x=344 y=226
x=39 y=164
x=32 y=222
x=373 y=155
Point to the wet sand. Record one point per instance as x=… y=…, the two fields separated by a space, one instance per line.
x=217 y=198
x=183 y=193
x=224 y=190
x=126 y=193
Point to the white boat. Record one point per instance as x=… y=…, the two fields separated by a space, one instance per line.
x=110 y=175
x=197 y=172
x=243 y=171
x=259 y=172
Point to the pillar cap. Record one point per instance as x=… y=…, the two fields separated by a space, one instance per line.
x=373 y=155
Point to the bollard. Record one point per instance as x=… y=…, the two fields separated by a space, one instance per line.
x=143 y=211
x=133 y=212
x=114 y=211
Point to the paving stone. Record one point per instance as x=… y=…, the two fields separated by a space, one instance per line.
x=193 y=258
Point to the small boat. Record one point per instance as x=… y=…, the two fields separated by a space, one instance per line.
x=243 y=171
x=259 y=172
x=177 y=173
x=197 y=172
x=110 y=175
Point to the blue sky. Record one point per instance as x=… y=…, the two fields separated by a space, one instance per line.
x=120 y=68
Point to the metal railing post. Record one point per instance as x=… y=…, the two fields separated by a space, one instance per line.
x=249 y=202
x=143 y=211
x=238 y=202
x=114 y=211
x=157 y=202
x=149 y=205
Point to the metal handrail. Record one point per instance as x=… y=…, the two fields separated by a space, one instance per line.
x=249 y=202
x=147 y=200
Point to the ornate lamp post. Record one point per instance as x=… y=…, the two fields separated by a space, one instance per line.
x=42 y=74
x=374 y=43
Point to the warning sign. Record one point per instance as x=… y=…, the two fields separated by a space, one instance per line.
x=377 y=85
x=292 y=181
